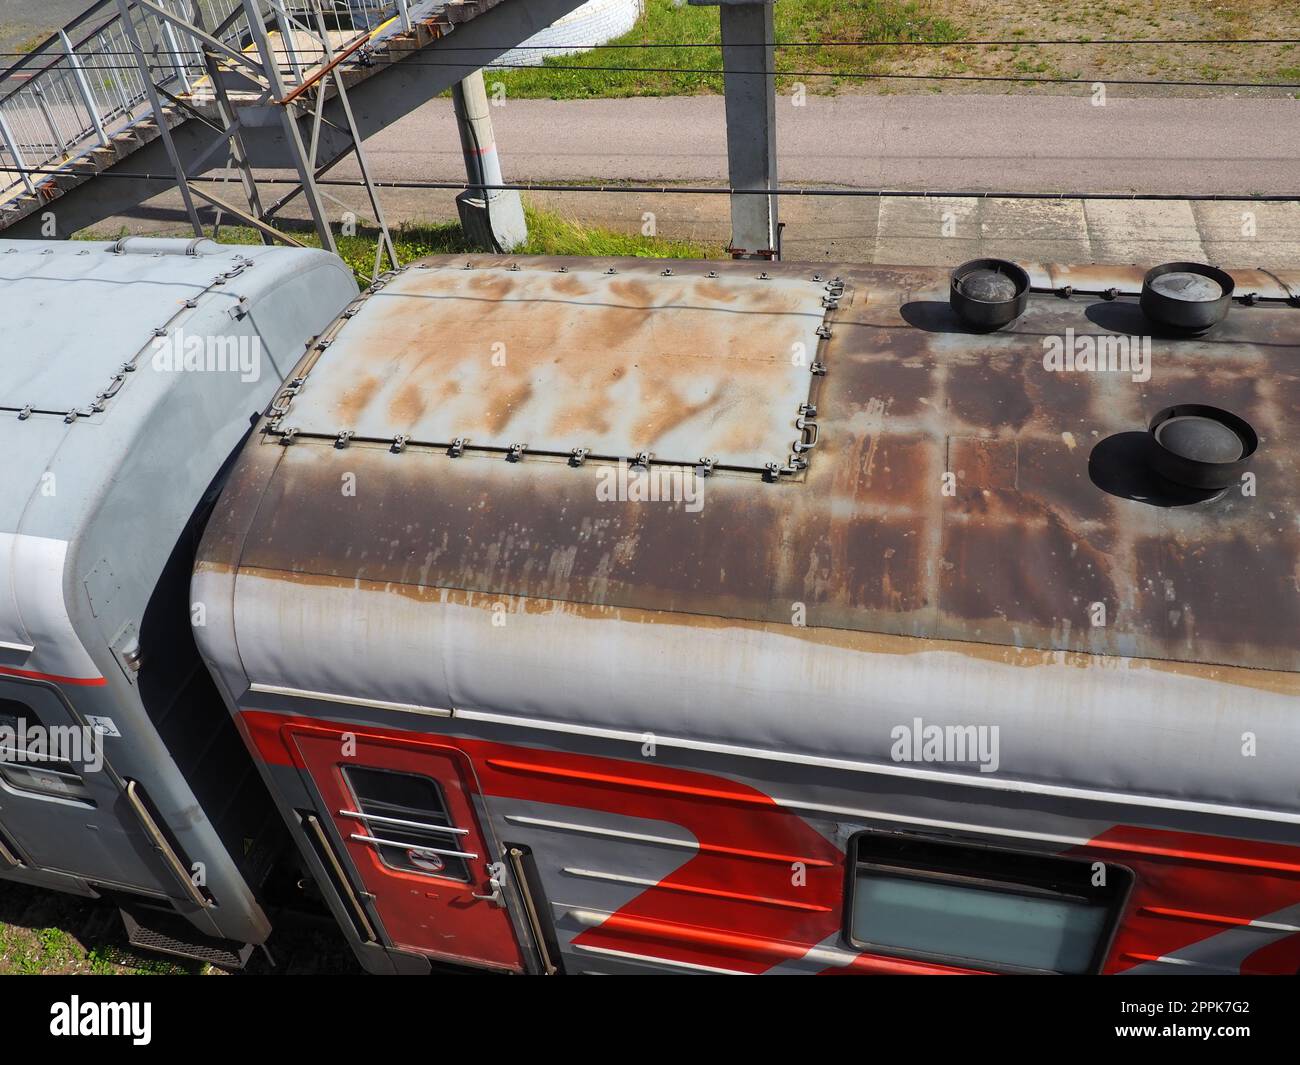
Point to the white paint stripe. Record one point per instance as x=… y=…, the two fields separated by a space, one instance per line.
x=1274 y=926
x=908 y=772
x=1200 y=966
x=592 y=830
x=348 y=700
x=652 y=960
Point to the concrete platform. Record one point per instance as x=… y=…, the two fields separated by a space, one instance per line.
x=892 y=229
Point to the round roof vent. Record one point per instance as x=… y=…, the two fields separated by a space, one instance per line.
x=1188 y=297
x=1201 y=447
x=989 y=293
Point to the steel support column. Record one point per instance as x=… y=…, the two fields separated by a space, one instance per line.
x=491 y=218
x=749 y=55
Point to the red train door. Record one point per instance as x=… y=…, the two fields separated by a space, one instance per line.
x=404 y=812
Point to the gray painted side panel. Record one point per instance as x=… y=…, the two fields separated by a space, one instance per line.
x=127 y=479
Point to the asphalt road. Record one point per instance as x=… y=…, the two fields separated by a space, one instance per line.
x=22 y=20
x=1037 y=143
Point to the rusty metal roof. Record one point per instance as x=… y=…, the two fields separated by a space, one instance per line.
x=618 y=363
x=865 y=538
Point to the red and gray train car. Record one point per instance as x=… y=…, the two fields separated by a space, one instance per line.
x=627 y=616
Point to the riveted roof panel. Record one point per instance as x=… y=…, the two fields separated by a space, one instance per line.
x=74 y=314
x=620 y=363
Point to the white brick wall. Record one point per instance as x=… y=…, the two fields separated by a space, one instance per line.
x=595 y=22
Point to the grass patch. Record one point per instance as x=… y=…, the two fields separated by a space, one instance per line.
x=679 y=71
x=549 y=233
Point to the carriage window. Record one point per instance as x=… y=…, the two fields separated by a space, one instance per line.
x=406 y=815
x=35 y=757
x=981 y=908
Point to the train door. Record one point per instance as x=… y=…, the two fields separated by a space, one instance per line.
x=59 y=802
x=405 y=813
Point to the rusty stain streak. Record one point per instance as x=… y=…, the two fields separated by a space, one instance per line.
x=1005 y=568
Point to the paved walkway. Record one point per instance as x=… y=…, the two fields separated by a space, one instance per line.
x=905 y=230
x=1020 y=143
x=985 y=142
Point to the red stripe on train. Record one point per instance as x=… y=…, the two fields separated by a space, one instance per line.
x=31 y=674
x=716 y=910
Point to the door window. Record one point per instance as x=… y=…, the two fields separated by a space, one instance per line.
x=37 y=757
x=406 y=815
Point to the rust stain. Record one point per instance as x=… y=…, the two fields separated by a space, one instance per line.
x=1008 y=566
x=1274 y=681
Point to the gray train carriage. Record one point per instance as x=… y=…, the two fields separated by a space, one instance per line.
x=131 y=372
x=624 y=616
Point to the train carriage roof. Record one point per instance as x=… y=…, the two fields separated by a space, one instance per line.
x=109 y=441
x=1043 y=537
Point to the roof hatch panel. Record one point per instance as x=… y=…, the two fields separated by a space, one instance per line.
x=683 y=366
x=74 y=314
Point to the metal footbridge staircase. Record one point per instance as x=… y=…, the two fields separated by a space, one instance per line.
x=135 y=97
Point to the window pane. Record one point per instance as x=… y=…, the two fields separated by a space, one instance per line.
x=982 y=907
x=990 y=927
x=408 y=797
x=34 y=758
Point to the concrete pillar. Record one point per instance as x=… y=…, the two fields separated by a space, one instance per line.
x=747 y=45
x=491 y=218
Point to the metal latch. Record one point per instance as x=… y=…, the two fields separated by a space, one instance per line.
x=810 y=432
x=494 y=896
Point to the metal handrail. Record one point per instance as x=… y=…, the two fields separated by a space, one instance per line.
x=68 y=97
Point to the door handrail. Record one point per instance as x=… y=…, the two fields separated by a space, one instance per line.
x=340 y=876
x=170 y=858
x=403 y=824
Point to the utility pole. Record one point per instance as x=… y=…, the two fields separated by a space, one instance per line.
x=491 y=218
x=749 y=55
